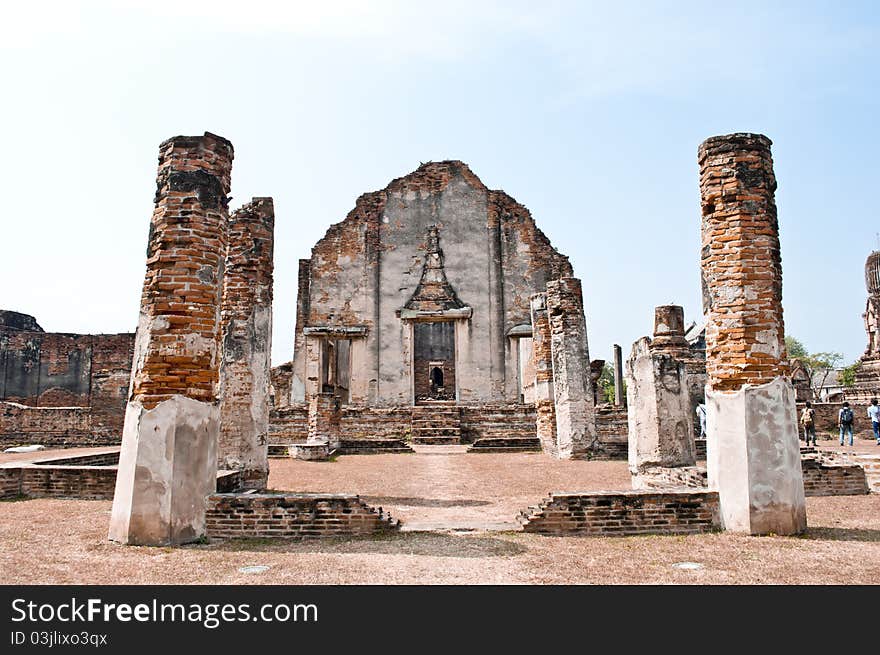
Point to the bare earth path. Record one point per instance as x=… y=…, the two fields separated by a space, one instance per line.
x=64 y=541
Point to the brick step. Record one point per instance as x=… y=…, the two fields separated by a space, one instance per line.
x=373 y=446
x=435 y=422
x=436 y=440
x=506 y=444
x=501 y=431
x=437 y=432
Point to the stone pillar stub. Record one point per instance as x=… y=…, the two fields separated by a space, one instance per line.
x=669 y=327
x=660 y=428
x=572 y=386
x=753 y=453
x=545 y=409
x=246 y=325
x=168 y=461
x=619 y=393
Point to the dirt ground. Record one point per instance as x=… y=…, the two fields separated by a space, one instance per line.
x=470 y=502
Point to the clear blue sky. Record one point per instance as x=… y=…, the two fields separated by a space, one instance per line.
x=588 y=114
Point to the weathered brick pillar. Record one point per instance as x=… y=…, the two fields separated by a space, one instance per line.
x=661 y=433
x=753 y=454
x=169 y=443
x=324 y=417
x=246 y=328
x=572 y=386
x=541 y=354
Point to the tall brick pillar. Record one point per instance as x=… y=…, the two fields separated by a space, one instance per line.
x=753 y=453
x=572 y=386
x=660 y=427
x=246 y=328
x=169 y=442
x=545 y=410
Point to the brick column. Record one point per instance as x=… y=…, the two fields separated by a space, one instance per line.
x=661 y=432
x=572 y=386
x=545 y=410
x=753 y=454
x=169 y=443
x=324 y=416
x=246 y=328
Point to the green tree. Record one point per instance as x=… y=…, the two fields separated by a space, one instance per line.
x=818 y=366
x=795 y=348
x=848 y=375
x=606 y=383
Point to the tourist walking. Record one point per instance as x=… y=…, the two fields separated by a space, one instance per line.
x=808 y=420
x=845 y=423
x=874 y=415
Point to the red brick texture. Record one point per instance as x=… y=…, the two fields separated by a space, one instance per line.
x=181 y=294
x=741 y=264
x=49 y=370
x=822 y=478
x=298 y=516
x=619 y=513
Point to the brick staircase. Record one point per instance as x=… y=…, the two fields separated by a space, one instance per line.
x=377 y=446
x=436 y=424
x=506 y=445
x=497 y=422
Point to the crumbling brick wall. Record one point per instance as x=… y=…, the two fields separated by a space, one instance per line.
x=45 y=370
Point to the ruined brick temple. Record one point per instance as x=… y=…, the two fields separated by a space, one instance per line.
x=414 y=315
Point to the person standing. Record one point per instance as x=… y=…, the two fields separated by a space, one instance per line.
x=845 y=423
x=874 y=415
x=701 y=414
x=808 y=420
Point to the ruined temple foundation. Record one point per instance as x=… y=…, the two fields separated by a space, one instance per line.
x=753 y=454
x=168 y=461
x=246 y=327
x=661 y=438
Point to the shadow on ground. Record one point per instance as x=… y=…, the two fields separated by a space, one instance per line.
x=413 y=543
x=423 y=502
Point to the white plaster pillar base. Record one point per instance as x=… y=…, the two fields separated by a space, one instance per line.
x=753 y=457
x=168 y=465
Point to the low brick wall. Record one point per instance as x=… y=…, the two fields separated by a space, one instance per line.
x=84 y=482
x=663 y=477
x=871 y=465
x=228 y=481
x=293 y=516
x=51 y=426
x=10 y=482
x=93 y=459
x=611 y=428
x=86 y=477
x=619 y=513
x=829 y=478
